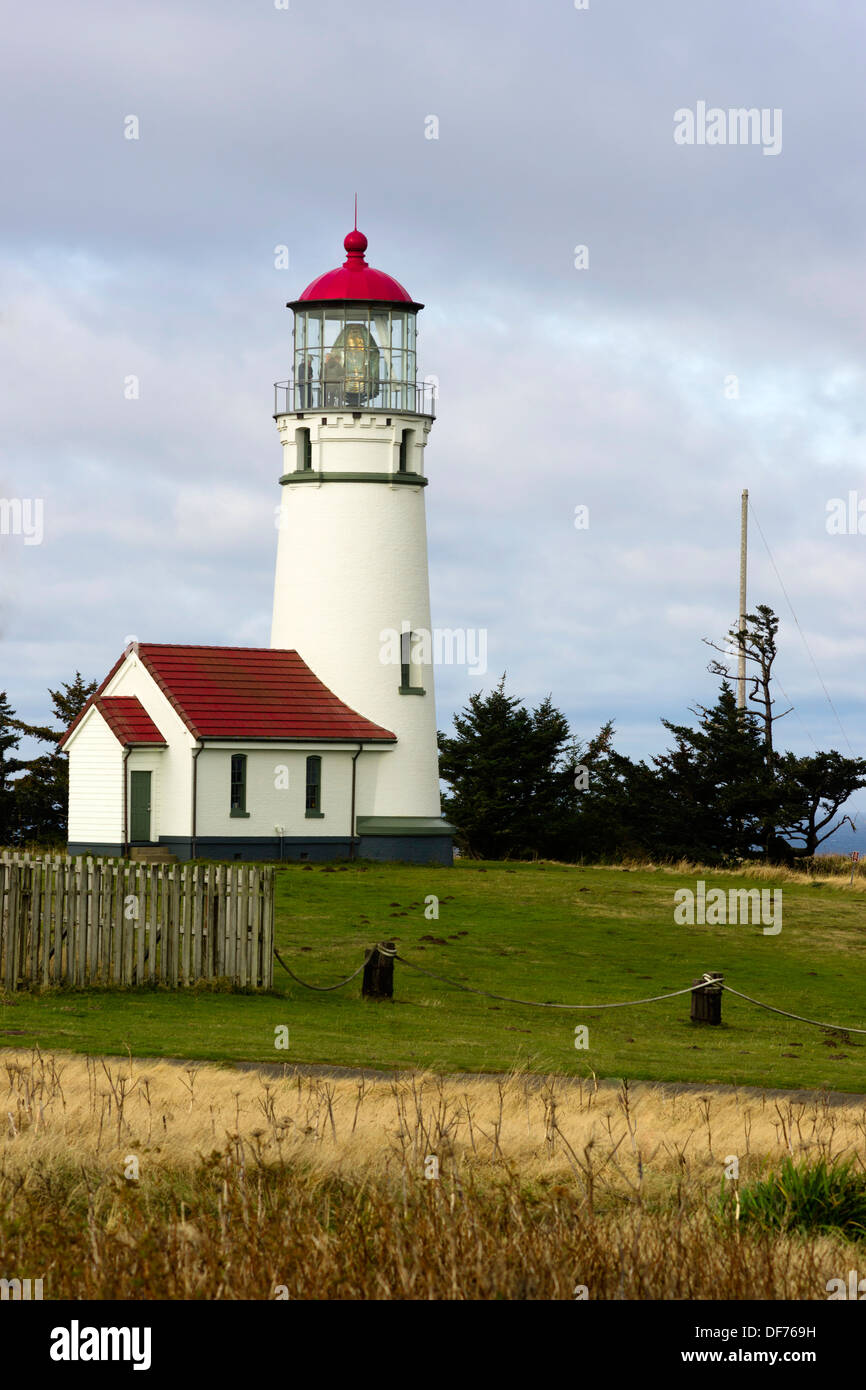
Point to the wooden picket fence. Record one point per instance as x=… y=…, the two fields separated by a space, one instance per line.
x=108 y=921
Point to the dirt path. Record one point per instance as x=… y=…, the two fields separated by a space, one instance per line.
x=612 y=1085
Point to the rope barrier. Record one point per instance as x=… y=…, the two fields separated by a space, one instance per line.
x=537 y=1004
x=835 y=1027
x=708 y=982
x=320 y=989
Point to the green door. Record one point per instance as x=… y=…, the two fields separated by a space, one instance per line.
x=139 y=807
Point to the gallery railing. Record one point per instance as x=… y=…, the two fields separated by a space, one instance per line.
x=410 y=397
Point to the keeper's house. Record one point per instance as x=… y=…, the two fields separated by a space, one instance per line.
x=231 y=753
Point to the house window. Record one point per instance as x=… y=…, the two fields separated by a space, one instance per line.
x=314 y=786
x=238 y=799
x=304 y=447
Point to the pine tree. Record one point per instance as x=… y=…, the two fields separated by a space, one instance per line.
x=615 y=802
x=716 y=793
x=801 y=795
x=10 y=737
x=508 y=773
x=812 y=790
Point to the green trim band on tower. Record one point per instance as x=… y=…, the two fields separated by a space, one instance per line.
x=403 y=825
x=306 y=475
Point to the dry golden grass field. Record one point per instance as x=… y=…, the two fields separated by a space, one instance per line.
x=203 y=1182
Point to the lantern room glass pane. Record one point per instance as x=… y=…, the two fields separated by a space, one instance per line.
x=307 y=367
x=354 y=356
x=380 y=329
x=334 y=321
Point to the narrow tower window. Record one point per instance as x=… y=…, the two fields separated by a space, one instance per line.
x=406 y=686
x=314 y=786
x=405 y=660
x=405 y=451
x=304 y=446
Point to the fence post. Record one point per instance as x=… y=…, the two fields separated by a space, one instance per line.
x=378 y=979
x=707 y=1001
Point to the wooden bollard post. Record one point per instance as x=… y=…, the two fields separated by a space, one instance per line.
x=707 y=1002
x=378 y=978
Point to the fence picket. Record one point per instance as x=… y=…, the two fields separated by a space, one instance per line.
x=219 y=946
x=5 y=879
x=46 y=920
x=268 y=931
x=56 y=972
x=130 y=919
x=198 y=921
x=12 y=928
x=172 y=938
x=94 y=901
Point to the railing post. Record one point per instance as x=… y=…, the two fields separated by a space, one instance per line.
x=378 y=978
x=707 y=999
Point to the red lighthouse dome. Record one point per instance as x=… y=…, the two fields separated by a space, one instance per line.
x=354 y=343
x=356 y=280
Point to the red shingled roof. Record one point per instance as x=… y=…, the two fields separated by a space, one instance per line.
x=248 y=693
x=127 y=719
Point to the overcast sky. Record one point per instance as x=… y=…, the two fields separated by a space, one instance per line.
x=715 y=340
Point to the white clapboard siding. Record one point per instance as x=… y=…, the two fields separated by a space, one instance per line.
x=95 y=783
x=171 y=783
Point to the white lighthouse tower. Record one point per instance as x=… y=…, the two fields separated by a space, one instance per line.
x=351 y=593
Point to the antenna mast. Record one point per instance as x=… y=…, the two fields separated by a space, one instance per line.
x=744 y=525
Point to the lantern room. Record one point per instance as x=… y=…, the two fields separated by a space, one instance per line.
x=355 y=342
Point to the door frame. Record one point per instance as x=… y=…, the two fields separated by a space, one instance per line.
x=141 y=772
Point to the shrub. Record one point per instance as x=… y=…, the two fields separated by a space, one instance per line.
x=808 y=1196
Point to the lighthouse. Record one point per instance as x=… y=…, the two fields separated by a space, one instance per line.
x=323 y=745
x=351 y=593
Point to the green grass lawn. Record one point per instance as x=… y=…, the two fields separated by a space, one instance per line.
x=537 y=931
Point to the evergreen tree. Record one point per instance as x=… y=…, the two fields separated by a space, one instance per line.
x=520 y=786
x=811 y=792
x=615 y=803
x=10 y=737
x=508 y=773
x=801 y=795
x=715 y=790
